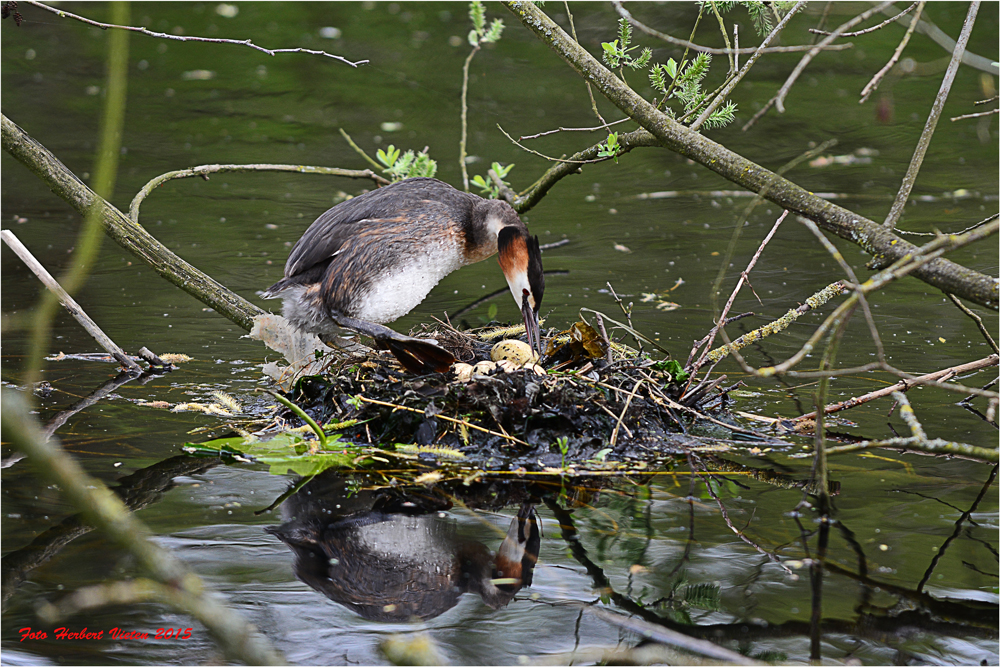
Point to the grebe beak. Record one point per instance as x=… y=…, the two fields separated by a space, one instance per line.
x=531 y=328
x=521 y=261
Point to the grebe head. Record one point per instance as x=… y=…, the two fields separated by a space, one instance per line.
x=521 y=261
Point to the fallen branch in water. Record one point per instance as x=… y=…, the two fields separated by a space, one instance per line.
x=917 y=442
x=937 y=377
x=123 y=231
x=69 y=303
x=815 y=301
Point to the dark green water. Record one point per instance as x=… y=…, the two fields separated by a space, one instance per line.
x=900 y=509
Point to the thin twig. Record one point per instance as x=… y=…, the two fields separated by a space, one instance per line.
x=932 y=119
x=628 y=401
x=590 y=91
x=978 y=320
x=627 y=430
x=465 y=116
x=604 y=335
x=547 y=157
x=187 y=38
x=624 y=13
x=739 y=284
x=837 y=257
x=967 y=229
x=448 y=419
x=357 y=149
x=68 y=302
x=779 y=98
x=205 y=169
x=627 y=312
x=935 y=378
x=873 y=28
x=935 y=446
x=746 y=68
x=976 y=115
x=877 y=79
x=574 y=129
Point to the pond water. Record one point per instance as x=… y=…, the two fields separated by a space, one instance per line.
x=912 y=560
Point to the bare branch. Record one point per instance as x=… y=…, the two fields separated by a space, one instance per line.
x=739 y=284
x=877 y=79
x=574 y=129
x=935 y=378
x=873 y=28
x=746 y=68
x=932 y=120
x=624 y=13
x=122 y=230
x=976 y=115
x=549 y=158
x=187 y=38
x=205 y=169
x=778 y=100
x=662 y=130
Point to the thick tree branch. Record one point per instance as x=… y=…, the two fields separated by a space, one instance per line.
x=885 y=246
x=125 y=233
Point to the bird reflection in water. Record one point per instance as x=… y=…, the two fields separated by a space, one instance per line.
x=392 y=557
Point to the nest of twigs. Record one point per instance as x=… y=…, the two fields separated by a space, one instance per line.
x=583 y=404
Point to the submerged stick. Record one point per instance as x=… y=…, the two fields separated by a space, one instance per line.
x=68 y=302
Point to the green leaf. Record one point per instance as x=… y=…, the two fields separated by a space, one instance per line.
x=624 y=33
x=602 y=454
x=284 y=452
x=672 y=68
x=656 y=78
x=612 y=54
x=721 y=117
x=473 y=37
x=673 y=368
x=642 y=60
x=477 y=14
x=493 y=34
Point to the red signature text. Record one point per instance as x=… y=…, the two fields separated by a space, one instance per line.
x=115 y=633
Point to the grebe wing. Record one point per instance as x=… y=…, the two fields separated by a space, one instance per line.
x=332 y=229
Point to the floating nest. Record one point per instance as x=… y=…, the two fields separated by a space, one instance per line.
x=583 y=404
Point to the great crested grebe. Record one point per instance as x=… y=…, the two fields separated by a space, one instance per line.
x=372 y=259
